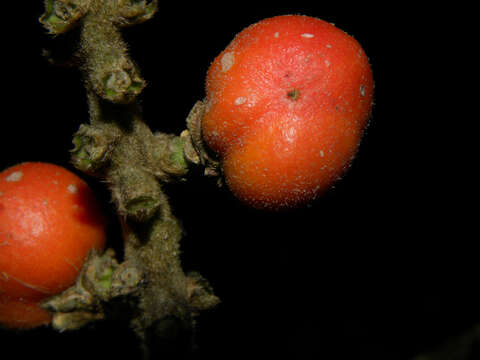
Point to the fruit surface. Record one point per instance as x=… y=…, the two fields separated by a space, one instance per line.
x=22 y=314
x=286 y=106
x=49 y=221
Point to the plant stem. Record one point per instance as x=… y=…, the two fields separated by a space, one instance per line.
x=120 y=149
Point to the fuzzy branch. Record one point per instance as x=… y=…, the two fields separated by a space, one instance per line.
x=120 y=149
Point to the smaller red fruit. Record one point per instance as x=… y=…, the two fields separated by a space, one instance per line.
x=49 y=221
x=22 y=314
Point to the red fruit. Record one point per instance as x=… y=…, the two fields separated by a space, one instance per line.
x=49 y=221
x=22 y=314
x=287 y=102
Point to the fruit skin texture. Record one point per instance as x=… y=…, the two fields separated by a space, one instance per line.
x=286 y=106
x=21 y=313
x=49 y=221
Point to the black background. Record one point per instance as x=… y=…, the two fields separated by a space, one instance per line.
x=379 y=268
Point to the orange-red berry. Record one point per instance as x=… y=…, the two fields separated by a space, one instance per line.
x=286 y=105
x=21 y=313
x=49 y=221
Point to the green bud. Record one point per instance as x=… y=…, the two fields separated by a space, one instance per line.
x=92 y=149
x=62 y=15
x=132 y=12
x=121 y=84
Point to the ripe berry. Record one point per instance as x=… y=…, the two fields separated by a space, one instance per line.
x=49 y=221
x=286 y=105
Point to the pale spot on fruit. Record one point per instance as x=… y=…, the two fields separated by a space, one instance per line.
x=362 y=90
x=227 y=61
x=240 y=100
x=14 y=176
x=36 y=224
x=328 y=46
x=327 y=63
x=290 y=134
x=277 y=34
x=322 y=154
x=72 y=189
x=307 y=35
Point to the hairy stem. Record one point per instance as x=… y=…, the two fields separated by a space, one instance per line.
x=119 y=148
